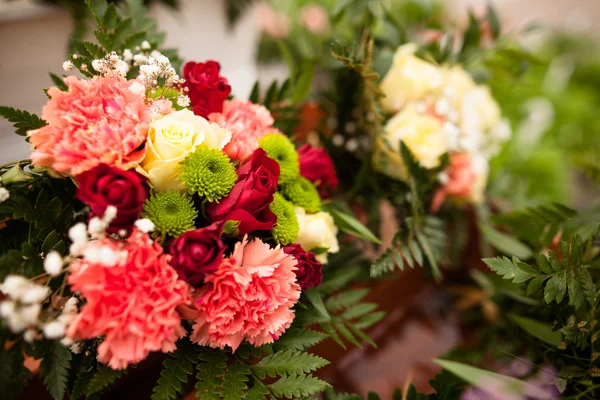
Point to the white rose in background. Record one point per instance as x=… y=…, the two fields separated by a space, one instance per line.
x=479 y=111
x=409 y=78
x=171 y=139
x=421 y=133
x=317 y=231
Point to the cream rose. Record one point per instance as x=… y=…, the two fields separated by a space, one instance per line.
x=421 y=133
x=317 y=231
x=171 y=139
x=479 y=111
x=408 y=79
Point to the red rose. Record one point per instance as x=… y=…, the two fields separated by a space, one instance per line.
x=249 y=200
x=309 y=271
x=104 y=186
x=197 y=253
x=207 y=90
x=317 y=167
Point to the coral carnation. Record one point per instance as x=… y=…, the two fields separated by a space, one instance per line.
x=132 y=295
x=95 y=121
x=247 y=123
x=250 y=296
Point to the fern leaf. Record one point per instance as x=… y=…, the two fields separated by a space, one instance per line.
x=22 y=120
x=258 y=392
x=288 y=362
x=235 y=382
x=54 y=369
x=514 y=270
x=346 y=299
x=175 y=374
x=297 y=386
x=299 y=339
x=102 y=379
x=210 y=370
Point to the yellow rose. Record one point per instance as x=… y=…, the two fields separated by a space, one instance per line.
x=174 y=137
x=421 y=133
x=317 y=231
x=408 y=79
x=479 y=111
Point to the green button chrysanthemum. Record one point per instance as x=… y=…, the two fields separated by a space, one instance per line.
x=208 y=172
x=286 y=229
x=302 y=192
x=282 y=150
x=172 y=213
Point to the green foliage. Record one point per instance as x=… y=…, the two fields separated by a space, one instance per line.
x=350 y=225
x=54 y=368
x=288 y=363
x=211 y=369
x=22 y=120
x=235 y=9
x=559 y=277
x=14 y=375
x=102 y=379
x=539 y=330
x=299 y=339
x=176 y=370
x=297 y=386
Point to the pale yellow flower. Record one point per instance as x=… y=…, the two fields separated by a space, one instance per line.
x=408 y=79
x=317 y=231
x=421 y=133
x=171 y=139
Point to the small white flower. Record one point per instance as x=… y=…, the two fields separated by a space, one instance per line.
x=145 y=45
x=108 y=256
x=144 y=225
x=96 y=227
x=29 y=335
x=76 y=348
x=53 y=263
x=5 y=194
x=137 y=88
x=127 y=55
x=98 y=65
x=121 y=67
x=14 y=285
x=150 y=70
x=443 y=178
x=67 y=341
x=110 y=214
x=71 y=305
x=78 y=233
x=54 y=330
x=122 y=232
x=68 y=65
x=442 y=107
x=7 y=308
x=30 y=314
x=183 y=101
x=35 y=294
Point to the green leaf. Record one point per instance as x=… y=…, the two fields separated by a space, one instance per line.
x=210 y=370
x=556 y=288
x=258 y=392
x=413 y=167
x=535 y=284
x=538 y=330
x=483 y=379
x=255 y=93
x=102 y=379
x=14 y=375
x=175 y=373
x=59 y=82
x=447 y=386
x=297 y=386
x=511 y=270
x=235 y=382
x=505 y=243
x=303 y=83
x=22 y=121
x=346 y=299
x=54 y=368
x=288 y=363
x=110 y=17
x=314 y=296
x=492 y=18
x=299 y=339
x=347 y=223
x=288 y=58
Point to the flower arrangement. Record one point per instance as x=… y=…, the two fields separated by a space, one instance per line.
x=156 y=214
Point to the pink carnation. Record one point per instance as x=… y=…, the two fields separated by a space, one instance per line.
x=96 y=121
x=247 y=123
x=131 y=298
x=250 y=296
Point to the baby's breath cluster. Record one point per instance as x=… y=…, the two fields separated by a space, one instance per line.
x=111 y=63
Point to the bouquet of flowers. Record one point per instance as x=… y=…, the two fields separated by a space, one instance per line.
x=157 y=214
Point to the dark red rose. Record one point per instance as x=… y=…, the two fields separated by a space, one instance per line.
x=207 y=90
x=197 y=253
x=310 y=271
x=249 y=200
x=317 y=167
x=104 y=186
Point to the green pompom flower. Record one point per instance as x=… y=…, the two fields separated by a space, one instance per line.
x=302 y=193
x=172 y=213
x=286 y=229
x=208 y=172
x=282 y=150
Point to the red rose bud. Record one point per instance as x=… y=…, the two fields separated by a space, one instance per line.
x=197 y=253
x=250 y=198
x=317 y=167
x=309 y=271
x=207 y=90
x=104 y=186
